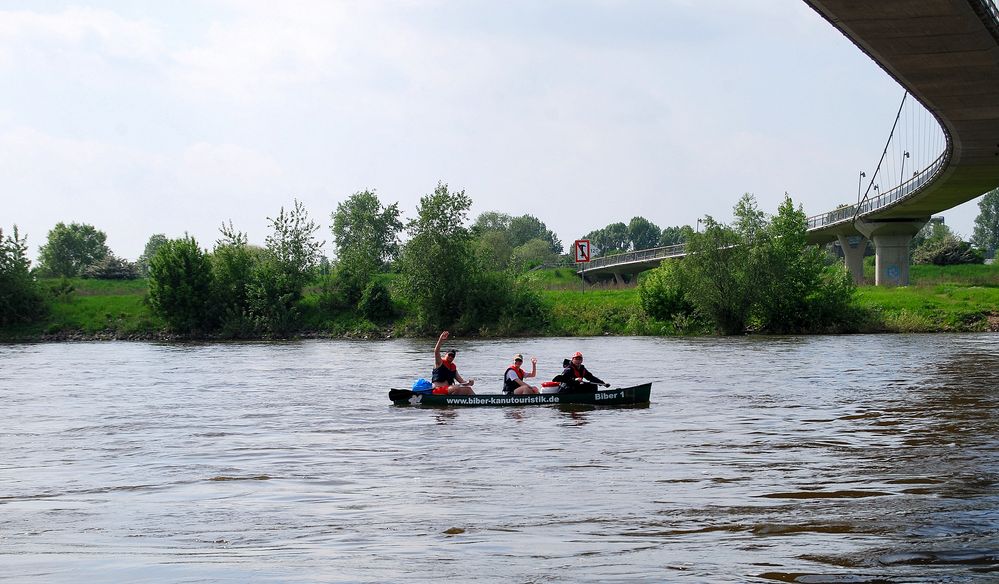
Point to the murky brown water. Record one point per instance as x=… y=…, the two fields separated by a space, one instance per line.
x=818 y=459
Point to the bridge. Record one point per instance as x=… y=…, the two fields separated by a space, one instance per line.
x=945 y=53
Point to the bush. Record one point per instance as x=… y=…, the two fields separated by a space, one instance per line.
x=946 y=251
x=111 y=267
x=273 y=296
x=662 y=293
x=21 y=299
x=376 y=302
x=233 y=263
x=180 y=286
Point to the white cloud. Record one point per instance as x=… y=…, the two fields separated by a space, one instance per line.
x=74 y=29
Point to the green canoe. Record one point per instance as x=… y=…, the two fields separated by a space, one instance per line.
x=622 y=396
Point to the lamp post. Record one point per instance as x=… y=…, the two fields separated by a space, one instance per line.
x=698 y=228
x=860 y=179
x=901 y=174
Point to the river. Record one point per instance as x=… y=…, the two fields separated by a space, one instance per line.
x=760 y=459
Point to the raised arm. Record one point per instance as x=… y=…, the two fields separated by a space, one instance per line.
x=534 y=368
x=437 y=349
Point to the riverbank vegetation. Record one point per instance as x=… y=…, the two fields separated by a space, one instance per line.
x=496 y=276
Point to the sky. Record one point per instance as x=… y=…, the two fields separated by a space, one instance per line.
x=174 y=117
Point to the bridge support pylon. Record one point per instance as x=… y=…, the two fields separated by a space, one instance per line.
x=853 y=247
x=891 y=248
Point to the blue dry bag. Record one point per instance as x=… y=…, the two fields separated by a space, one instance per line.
x=422 y=386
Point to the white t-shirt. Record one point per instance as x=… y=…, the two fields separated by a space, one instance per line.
x=512 y=375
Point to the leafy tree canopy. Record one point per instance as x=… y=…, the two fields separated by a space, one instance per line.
x=438 y=262
x=155 y=242
x=71 y=248
x=986 y=233
x=293 y=246
x=675 y=235
x=643 y=233
x=363 y=228
x=20 y=297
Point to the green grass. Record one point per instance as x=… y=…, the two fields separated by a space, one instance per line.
x=93 y=307
x=939 y=298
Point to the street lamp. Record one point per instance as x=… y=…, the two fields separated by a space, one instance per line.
x=901 y=174
x=698 y=228
x=860 y=179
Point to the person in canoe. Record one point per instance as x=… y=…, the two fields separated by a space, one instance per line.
x=576 y=378
x=446 y=372
x=513 y=379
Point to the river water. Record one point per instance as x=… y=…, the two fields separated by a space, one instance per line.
x=798 y=459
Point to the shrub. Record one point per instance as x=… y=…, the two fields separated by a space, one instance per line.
x=945 y=251
x=180 y=286
x=111 y=267
x=662 y=293
x=233 y=262
x=376 y=302
x=273 y=296
x=21 y=299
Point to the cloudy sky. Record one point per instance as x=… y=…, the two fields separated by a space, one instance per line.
x=172 y=117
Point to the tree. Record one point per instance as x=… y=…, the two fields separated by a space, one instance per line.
x=233 y=268
x=155 y=242
x=750 y=220
x=609 y=240
x=293 y=246
x=642 y=233
x=495 y=248
x=717 y=276
x=20 y=297
x=527 y=227
x=363 y=227
x=438 y=263
x=491 y=221
x=763 y=271
x=663 y=293
x=533 y=253
x=288 y=263
x=366 y=236
x=71 y=248
x=674 y=235
x=180 y=286
x=790 y=276
x=986 y=234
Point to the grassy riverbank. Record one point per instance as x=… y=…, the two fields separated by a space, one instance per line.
x=940 y=299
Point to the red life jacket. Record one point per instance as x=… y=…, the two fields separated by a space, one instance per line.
x=509 y=386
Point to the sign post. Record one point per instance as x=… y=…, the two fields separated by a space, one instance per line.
x=581 y=249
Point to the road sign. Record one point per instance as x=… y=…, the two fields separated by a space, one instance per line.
x=582 y=247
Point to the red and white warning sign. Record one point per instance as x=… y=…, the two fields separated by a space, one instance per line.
x=582 y=247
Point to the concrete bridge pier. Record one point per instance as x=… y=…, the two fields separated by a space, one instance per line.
x=891 y=248
x=853 y=247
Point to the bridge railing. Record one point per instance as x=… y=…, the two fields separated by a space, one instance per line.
x=906 y=189
x=655 y=253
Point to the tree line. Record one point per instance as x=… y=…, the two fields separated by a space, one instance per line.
x=451 y=272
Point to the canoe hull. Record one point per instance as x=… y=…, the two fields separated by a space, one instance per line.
x=624 y=396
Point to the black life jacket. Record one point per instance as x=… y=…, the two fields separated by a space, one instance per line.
x=445 y=373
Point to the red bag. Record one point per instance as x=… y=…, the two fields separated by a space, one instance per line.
x=440 y=390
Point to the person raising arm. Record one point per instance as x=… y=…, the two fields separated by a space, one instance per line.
x=513 y=380
x=446 y=372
